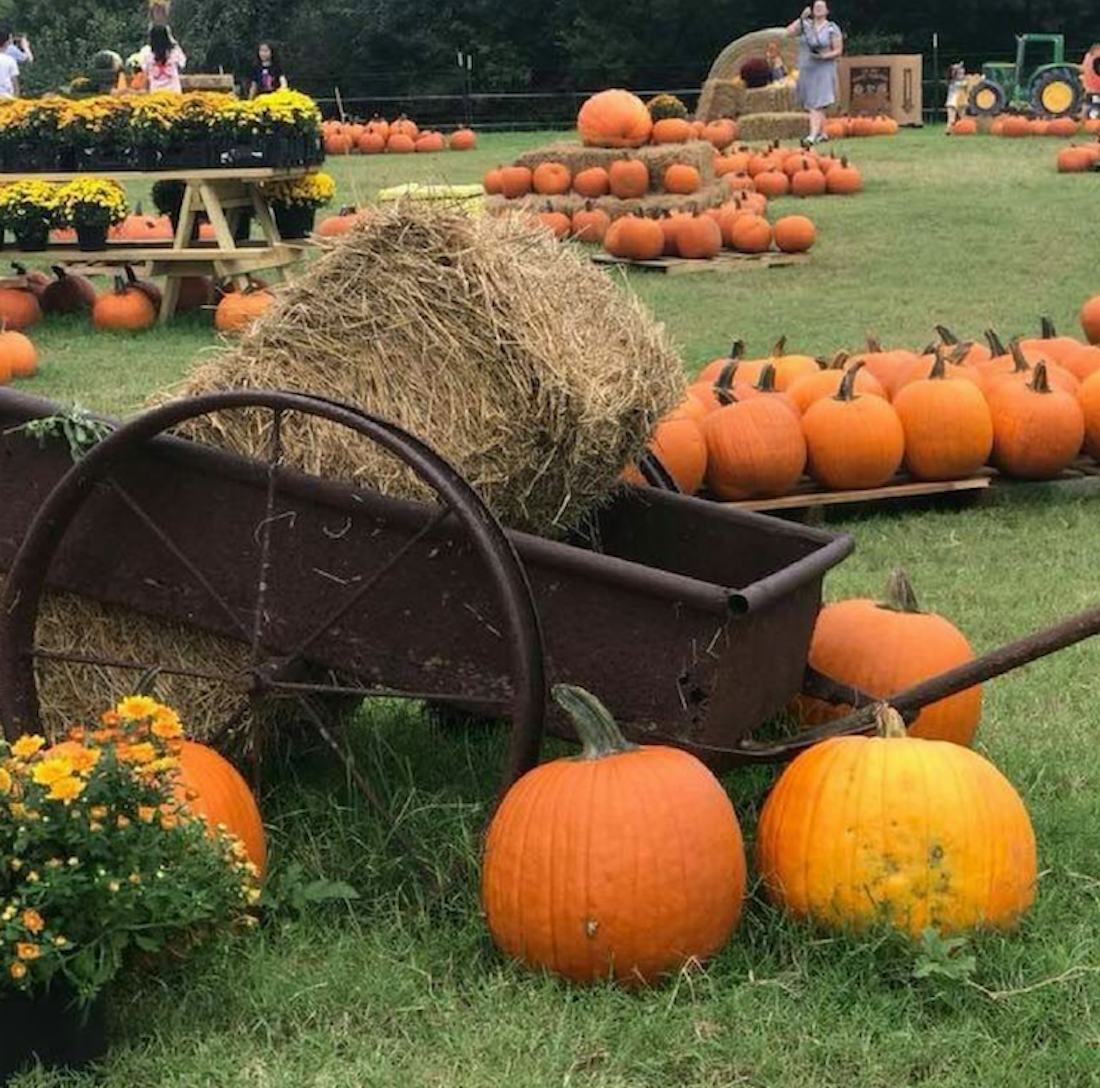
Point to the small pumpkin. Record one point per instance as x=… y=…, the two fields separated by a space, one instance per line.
x=794 y=234
x=808 y=181
x=492 y=183
x=1073 y=160
x=965 y=126
x=575 y=877
x=628 y=178
x=635 y=238
x=371 y=143
x=430 y=142
x=1037 y=429
x=403 y=126
x=239 y=310
x=1090 y=319
x=890 y=829
x=843 y=180
x=210 y=786
x=671 y=130
x=826 y=379
x=592 y=183
x=1019 y=366
x=126 y=308
x=1082 y=362
x=679 y=445
x=400 y=144
x=698 y=237
x=772 y=183
x=590 y=223
x=69 y=293
x=1052 y=346
x=338 y=143
x=789 y=367
x=515 y=181
x=948 y=428
x=1088 y=396
x=18 y=355
x=853 y=440
x=755 y=448
x=888 y=366
x=949 y=364
x=681 y=179
x=712 y=369
x=551 y=179
x=19 y=307
x=463 y=139
x=614 y=118
x=558 y=223
x=333 y=226
x=751 y=234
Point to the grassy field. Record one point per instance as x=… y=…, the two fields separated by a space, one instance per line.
x=397 y=988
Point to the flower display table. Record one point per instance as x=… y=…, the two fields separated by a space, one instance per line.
x=223 y=194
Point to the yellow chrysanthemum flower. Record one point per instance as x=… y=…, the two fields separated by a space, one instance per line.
x=166 y=724
x=18 y=971
x=53 y=770
x=26 y=746
x=84 y=760
x=5 y=782
x=32 y=921
x=137 y=753
x=66 y=789
x=27 y=951
x=137 y=707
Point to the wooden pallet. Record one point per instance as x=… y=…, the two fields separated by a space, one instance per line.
x=723 y=263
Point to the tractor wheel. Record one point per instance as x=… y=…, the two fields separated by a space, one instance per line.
x=987 y=98
x=1057 y=92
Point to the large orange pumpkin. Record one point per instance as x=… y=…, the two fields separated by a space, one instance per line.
x=751 y=234
x=794 y=234
x=614 y=118
x=210 y=787
x=515 y=181
x=843 y=180
x=430 y=142
x=590 y=223
x=19 y=307
x=948 y=428
x=814 y=385
x=853 y=440
x=891 y=830
x=126 y=308
x=237 y=311
x=884 y=647
x=18 y=356
x=579 y=857
x=698 y=237
x=1037 y=429
x=635 y=238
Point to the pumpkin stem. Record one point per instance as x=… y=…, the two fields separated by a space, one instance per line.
x=900 y=595
x=946 y=335
x=996 y=346
x=960 y=351
x=58 y=271
x=120 y=285
x=780 y=347
x=939 y=365
x=889 y=724
x=596 y=728
x=1047 y=328
x=874 y=344
x=847 y=390
x=18 y=269
x=838 y=361
x=766 y=384
x=1020 y=363
x=1040 y=383
x=737 y=349
x=655 y=474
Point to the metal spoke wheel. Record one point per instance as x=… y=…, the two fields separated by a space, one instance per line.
x=326 y=591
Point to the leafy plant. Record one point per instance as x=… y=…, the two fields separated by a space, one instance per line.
x=77 y=427
x=944 y=958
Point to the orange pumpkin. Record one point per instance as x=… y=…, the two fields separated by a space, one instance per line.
x=430 y=142
x=710 y=372
x=1019 y=366
x=19 y=307
x=211 y=788
x=794 y=234
x=965 y=126
x=572 y=886
x=853 y=440
x=492 y=183
x=1073 y=160
x=338 y=143
x=463 y=139
x=126 y=308
x=238 y=311
x=1037 y=429
x=808 y=181
x=671 y=130
x=755 y=448
x=772 y=183
x=635 y=238
x=18 y=356
x=865 y=832
x=558 y=223
x=1090 y=319
x=698 y=237
x=1051 y=346
x=628 y=178
x=720 y=133
x=371 y=143
x=751 y=234
x=682 y=179
x=1088 y=396
x=332 y=226
x=679 y=445
x=590 y=224
x=1082 y=362
x=925 y=366
x=843 y=180
x=593 y=183
x=826 y=380
x=515 y=181
x=948 y=428
x=889 y=367
x=614 y=118
x=551 y=179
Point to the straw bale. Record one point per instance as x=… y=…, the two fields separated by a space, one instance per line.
x=514 y=357
x=773 y=126
x=657 y=157
x=709 y=197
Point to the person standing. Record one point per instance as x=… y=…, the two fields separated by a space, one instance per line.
x=820 y=44
x=267 y=72
x=19 y=49
x=9 y=68
x=164 y=62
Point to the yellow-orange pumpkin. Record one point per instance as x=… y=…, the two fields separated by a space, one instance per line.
x=614 y=118
x=578 y=857
x=237 y=311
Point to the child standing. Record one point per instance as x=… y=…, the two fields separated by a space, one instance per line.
x=777 y=70
x=164 y=61
x=956 y=93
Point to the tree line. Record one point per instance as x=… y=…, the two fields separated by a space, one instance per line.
x=375 y=47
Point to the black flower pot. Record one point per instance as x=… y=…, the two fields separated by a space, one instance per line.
x=92 y=239
x=50 y=1028
x=294 y=220
x=33 y=237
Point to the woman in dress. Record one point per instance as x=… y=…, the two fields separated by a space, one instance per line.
x=820 y=44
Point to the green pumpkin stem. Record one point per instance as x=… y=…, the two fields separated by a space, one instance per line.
x=889 y=724
x=847 y=390
x=766 y=384
x=1040 y=383
x=900 y=595
x=946 y=335
x=996 y=345
x=595 y=727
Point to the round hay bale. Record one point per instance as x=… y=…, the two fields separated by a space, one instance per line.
x=511 y=354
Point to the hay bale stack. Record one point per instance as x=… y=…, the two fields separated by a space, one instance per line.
x=726 y=70
x=509 y=353
x=724 y=98
x=773 y=126
x=658 y=158
x=708 y=197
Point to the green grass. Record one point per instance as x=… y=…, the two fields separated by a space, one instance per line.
x=401 y=989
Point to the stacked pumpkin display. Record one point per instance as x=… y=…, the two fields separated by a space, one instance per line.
x=398 y=137
x=752 y=428
x=840 y=128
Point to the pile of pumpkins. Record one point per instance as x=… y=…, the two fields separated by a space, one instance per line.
x=130 y=305
x=778 y=171
x=575 y=874
x=399 y=137
x=1016 y=126
x=752 y=428
x=841 y=128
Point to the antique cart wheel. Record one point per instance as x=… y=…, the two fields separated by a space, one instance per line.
x=99 y=492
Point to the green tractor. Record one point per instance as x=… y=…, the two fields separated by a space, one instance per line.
x=1040 y=80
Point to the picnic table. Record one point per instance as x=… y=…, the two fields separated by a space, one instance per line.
x=224 y=194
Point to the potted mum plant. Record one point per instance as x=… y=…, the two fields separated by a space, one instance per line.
x=28 y=208
x=91 y=206
x=104 y=865
x=295 y=202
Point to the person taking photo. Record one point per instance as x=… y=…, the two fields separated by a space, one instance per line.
x=820 y=45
